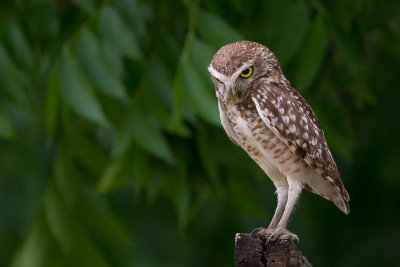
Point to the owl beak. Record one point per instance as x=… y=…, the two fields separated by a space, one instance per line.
x=234 y=93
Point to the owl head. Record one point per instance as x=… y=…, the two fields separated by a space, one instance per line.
x=235 y=67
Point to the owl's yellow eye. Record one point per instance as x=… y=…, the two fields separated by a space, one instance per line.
x=247 y=72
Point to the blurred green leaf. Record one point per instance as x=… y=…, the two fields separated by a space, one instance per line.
x=146 y=136
x=311 y=55
x=79 y=203
x=100 y=221
x=73 y=241
x=87 y=5
x=178 y=101
x=143 y=171
x=245 y=197
x=360 y=88
x=115 y=32
x=86 y=150
x=335 y=119
x=156 y=109
x=208 y=160
x=34 y=251
x=58 y=220
x=99 y=73
x=216 y=30
x=136 y=14
x=84 y=253
x=161 y=83
x=53 y=98
x=6 y=128
x=201 y=57
x=292 y=27
x=77 y=91
x=11 y=78
x=199 y=96
x=181 y=199
x=113 y=177
x=113 y=58
x=157 y=100
x=20 y=46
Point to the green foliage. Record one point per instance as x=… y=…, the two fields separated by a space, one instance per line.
x=112 y=153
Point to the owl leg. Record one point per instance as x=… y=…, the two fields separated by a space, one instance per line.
x=293 y=195
x=282 y=192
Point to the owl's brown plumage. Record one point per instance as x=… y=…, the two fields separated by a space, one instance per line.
x=273 y=123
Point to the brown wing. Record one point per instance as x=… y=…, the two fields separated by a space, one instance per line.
x=289 y=115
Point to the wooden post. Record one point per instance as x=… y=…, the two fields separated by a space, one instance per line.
x=255 y=250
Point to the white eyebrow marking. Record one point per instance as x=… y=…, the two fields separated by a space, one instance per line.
x=228 y=80
x=217 y=74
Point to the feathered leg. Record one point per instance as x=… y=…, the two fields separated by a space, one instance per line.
x=293 y=195
x=282 y=192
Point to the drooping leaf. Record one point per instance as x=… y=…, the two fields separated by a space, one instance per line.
x=35 y=248
x=59 y=221
x=114 y=176
x=88 y=5
x=113 y=58
x=12 y=79
x=201 y=57
x=199 y=95
x=149 y=138
x=81 y=204
x=216 y=30
x=53 y=98
x=100 y=221
x=146 y=136
x=178 y=104
x=143 y=170
x=292 y=26
x=20 y=46
x=86 y=150
x=77 y=91
x=181 y=199
x=6 y=128
x=311 y=55
x=136 y=14
x=114 y=31
x=92 y=60
x=72 y=240
x=161 y=82
x=208 y=160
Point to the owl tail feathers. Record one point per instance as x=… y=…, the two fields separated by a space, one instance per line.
x=337 y=194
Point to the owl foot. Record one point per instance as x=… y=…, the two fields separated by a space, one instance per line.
x=274 y=234
x=262 y=231
x=281 y=233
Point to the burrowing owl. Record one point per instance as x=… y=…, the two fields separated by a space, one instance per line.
x=261 y=112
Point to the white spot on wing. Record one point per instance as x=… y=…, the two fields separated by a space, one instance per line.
x=285 y=119
x=292 y=128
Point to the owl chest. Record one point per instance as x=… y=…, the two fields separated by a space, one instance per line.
x=262 y=145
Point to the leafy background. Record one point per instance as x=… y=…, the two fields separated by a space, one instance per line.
x=112 y=153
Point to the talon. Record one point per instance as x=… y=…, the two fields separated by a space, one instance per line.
x=270 y=237
x=283 y=234
x=256 y=231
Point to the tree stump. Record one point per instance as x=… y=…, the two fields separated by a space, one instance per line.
x=255 y=250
